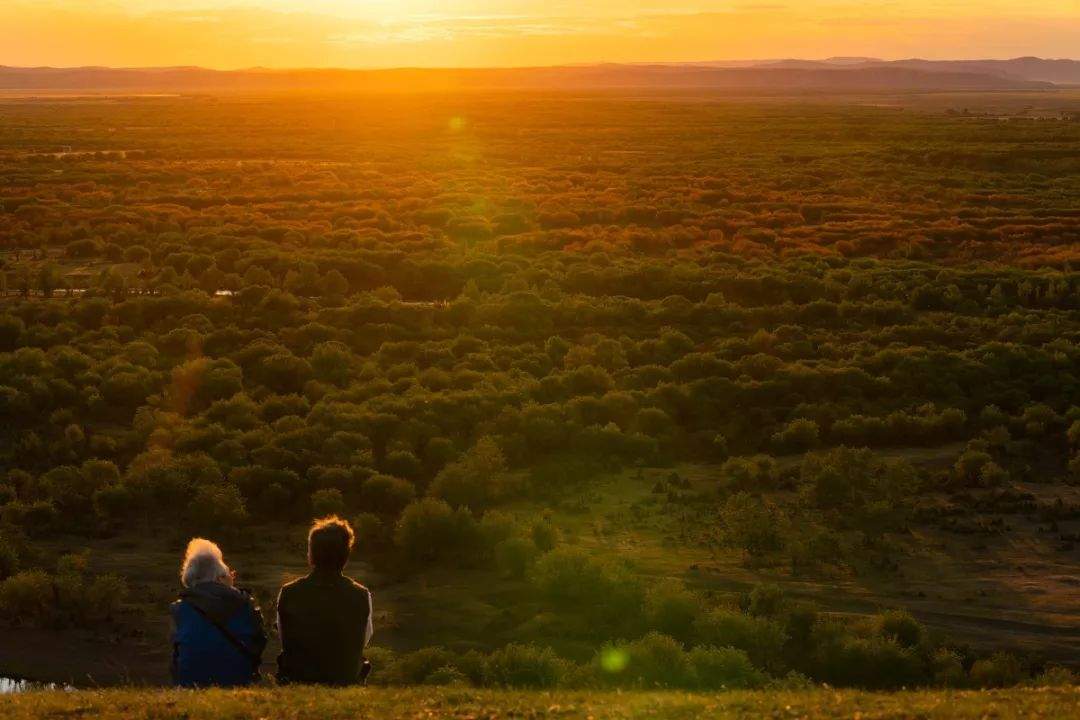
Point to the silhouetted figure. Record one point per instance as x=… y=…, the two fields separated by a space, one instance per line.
x=325 y=618
x=218 y=637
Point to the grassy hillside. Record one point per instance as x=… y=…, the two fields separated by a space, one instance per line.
x=391 y=704
x=948 y=585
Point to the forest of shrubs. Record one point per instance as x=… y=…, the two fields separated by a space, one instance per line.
x=221 y=315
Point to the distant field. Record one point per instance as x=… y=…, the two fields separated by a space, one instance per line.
x=791 y=380
x=436 y=704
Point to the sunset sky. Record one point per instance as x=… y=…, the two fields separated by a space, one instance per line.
x=394 y=33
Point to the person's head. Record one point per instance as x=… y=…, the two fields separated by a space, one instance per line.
x=330 y=541
x=204 y=563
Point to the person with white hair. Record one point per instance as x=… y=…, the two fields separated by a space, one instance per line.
x=218 y=636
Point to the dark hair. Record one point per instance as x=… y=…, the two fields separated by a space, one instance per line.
x=329 y=542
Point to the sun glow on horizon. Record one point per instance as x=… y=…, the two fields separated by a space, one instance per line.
x=397 y=33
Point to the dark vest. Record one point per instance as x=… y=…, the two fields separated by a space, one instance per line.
x=323 y=620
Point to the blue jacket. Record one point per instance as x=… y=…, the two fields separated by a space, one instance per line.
x=202 y=654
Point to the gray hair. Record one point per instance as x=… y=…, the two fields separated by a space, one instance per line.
x=203 y=562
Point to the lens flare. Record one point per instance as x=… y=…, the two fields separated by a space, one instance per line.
x=614 y=660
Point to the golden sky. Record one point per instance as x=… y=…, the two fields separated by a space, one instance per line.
x=429 y=33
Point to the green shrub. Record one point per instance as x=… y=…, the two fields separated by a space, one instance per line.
x=382 y=664
x=113 y=503
x=104 y=596
x=328 y=501
x=404 y=464
x=459 y=486
x=797 y=436
x=1073 y=433
x=570 y=577
x=609 y=594
x=431 y=530
x=875 y=663
x=654 y=661
x=9 y=559
x=901 y=627
x=752 y=524
x=948 y=669
x=70 y=597
x=523 y=666
x=36 y=518
x=545 y=535
x=415 y=667
x=584 y=676
x=28 y=598
x=717 y=668
x=73 y=564
x=793 y=681
x=1001 y=669
x=446 y=675
x=993 y=475
x=370 y=531
x=332 y=362
x=217 y=510
x=514 y=557
x=761 y=638
x=386 y=495
x=969 y=465
x=471 y=664
x=815 y=546
x=496 y=526
x=756 y=473
x=672 y=610
x=765 y=600
x=437 y=453
x=1055 y=676
x=475 y=480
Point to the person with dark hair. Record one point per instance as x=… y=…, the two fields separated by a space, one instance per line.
x=324 y=618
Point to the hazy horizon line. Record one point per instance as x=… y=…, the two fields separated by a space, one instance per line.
x=854 y=59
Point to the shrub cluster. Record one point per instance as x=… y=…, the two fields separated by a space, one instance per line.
x=68 y=597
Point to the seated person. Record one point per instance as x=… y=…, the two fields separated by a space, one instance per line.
x=325 y=618
x=218 y=636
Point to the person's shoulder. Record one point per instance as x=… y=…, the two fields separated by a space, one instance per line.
x=294 y=585
x=355 y=586
x=181 y=610
x=248 y=597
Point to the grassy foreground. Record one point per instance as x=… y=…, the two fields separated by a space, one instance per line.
x=413 y=703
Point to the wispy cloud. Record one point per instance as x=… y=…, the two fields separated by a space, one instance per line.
x=382 y=33
x=424 y=28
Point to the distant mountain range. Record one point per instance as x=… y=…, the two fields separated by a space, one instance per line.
x=1065 y=72
x=831 y=75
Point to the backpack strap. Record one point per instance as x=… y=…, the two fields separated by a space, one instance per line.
x=236 y=642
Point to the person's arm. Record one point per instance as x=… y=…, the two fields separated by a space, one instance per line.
x=259 y=630
x=370 y=629
x=283 y=675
